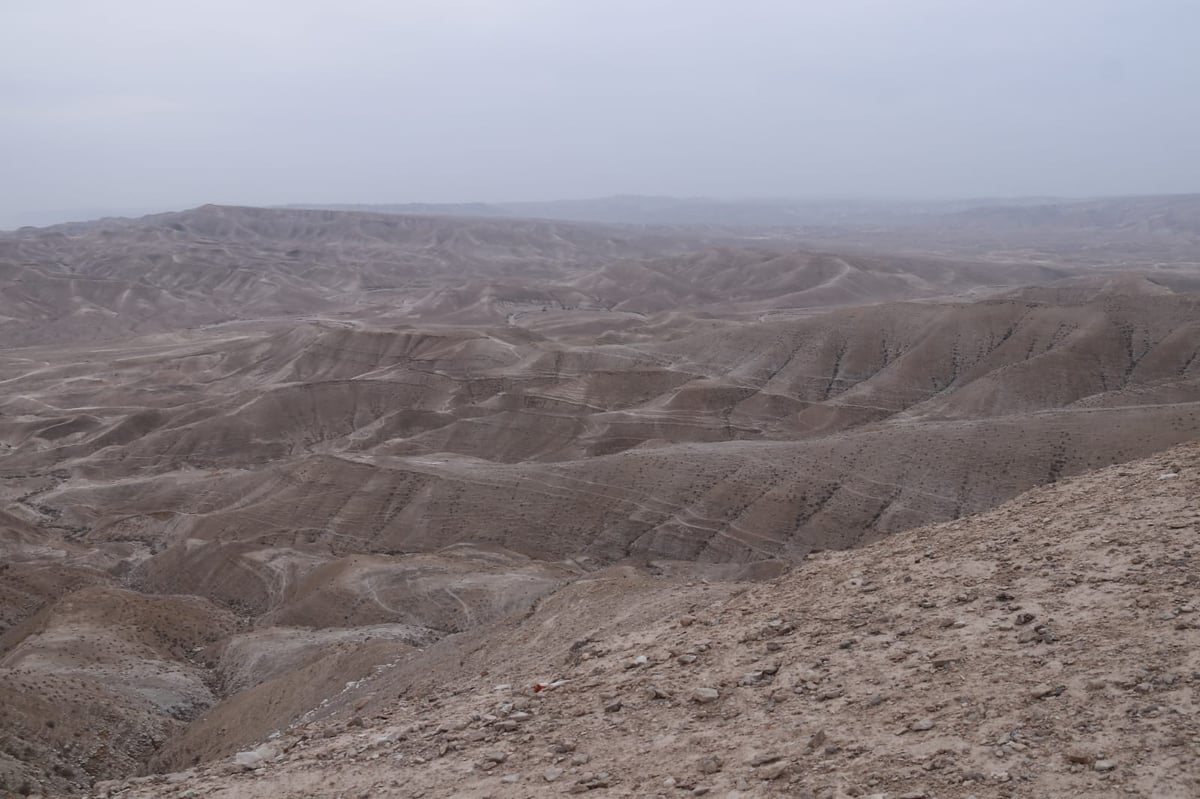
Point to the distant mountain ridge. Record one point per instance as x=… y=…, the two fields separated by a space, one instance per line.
x=633 y=209
x=1150 y=213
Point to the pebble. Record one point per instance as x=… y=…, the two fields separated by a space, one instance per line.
x=551 y=774
x=705 y=695
x=710 y=764
x=1045 y=690
x=921 y=725
x=1104 y=765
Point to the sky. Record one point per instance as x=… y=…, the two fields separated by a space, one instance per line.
x=133 y=106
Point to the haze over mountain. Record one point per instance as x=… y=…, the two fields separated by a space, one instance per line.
x=482 y=101
x=1164 y=213
x=250 y=456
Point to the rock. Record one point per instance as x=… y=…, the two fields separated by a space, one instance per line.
x=580 y=759
x=590 y=782
x=809 y=675
x=700 y=790
x=773 y=771
x=830 y=693
x=1104 y=765
x=255 y=757
x=762 y=758
x=752 y=678
x=247 y=760
x=816 y=741
x=912 y=795
x=710 y=764
x=1045 y=690
x=551 y=774
x=921 y=725
x=705 y=695
x=687 y=658
x=511 y=778
x=687 y=621
x=654 y=692
x=612 y=707
x=1080 y=757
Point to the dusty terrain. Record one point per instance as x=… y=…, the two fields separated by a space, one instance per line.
x=1049 y=647
x=254 y=462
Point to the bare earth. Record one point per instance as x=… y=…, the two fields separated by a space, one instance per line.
x=1050 y=647
x=311 y=484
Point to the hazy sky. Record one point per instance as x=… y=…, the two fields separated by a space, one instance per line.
x=134 y=105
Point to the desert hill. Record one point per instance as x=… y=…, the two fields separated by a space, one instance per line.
x=1047 y=647
x=250 y=458
x=214 y=264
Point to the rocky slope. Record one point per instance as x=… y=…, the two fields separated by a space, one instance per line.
x=1049 y=647
x=207 y=532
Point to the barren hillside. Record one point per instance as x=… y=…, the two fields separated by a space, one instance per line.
x=251 y=458
x=1045 y=648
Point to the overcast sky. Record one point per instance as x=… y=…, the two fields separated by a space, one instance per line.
x=139 y=105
